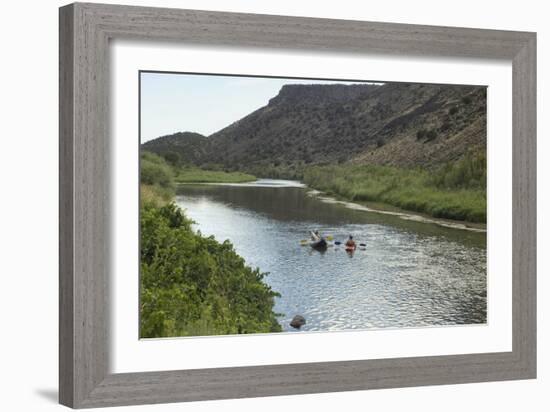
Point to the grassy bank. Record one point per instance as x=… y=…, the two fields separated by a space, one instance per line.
x=455 y=191
x=156 y=170
x=196 y=175
x=192 y=285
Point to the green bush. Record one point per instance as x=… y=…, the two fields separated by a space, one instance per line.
x=192 y=285
x=453 y=110
x=173 y=158
x=421 y=134
x=431 y=135
x=445 y=126
x=155 y=171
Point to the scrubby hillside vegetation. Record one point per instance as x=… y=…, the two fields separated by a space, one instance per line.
x=403 y=125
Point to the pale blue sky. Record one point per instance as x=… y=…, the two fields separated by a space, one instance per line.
x=201 y=103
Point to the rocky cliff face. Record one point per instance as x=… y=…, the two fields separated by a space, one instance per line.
x=395 y=123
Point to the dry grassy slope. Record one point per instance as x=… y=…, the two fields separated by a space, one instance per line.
x=376 y=124
x=406 y=150
x=311 y=124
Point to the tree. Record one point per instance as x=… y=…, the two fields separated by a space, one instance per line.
x=173 y=158
x=421 y=134
x=431 y=135
x=445 y=126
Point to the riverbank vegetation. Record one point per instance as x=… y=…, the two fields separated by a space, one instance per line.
x=455 y=191
x=192 y=285
x=198 y=175
x=168 y=171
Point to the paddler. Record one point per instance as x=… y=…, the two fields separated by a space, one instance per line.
x=350 y=243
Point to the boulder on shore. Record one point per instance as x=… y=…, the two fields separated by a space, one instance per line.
x=298 y=321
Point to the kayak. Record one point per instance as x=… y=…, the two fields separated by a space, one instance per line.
x=319 y=245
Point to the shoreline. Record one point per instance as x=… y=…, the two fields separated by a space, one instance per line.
x=372 y=207
x=401 y=213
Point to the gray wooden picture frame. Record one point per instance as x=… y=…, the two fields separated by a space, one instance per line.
x=85 y=32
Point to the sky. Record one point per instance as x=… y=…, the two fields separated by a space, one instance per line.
x=203 y=104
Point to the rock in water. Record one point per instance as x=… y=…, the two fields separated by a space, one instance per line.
x=298 y=321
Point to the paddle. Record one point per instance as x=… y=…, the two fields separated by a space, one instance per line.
x=306 y=242
x=329 y=238
x=360 y=244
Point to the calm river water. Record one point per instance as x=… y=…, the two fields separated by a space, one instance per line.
x=410 y=274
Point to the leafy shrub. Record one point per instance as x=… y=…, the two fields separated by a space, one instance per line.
x=155 y=171
x=453 y=110
x=192 y=285
x=173 y=158
x=421 y=134
x=445 y=126
x=431 y=135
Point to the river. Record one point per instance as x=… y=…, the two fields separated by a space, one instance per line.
x=410 y=274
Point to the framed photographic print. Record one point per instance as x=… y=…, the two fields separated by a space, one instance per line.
x=257 y=205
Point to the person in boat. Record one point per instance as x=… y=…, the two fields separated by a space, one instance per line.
x=318 y=241
x=350 y=243
x=315 y=236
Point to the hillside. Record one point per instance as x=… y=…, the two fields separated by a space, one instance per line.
x=405 y=125
x=190 y=147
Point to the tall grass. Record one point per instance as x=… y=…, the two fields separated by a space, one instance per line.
x=456 y=191
x=156 y=171
x=154 y=195
x=468 y=173
x=196 y=175
x=156 y=180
